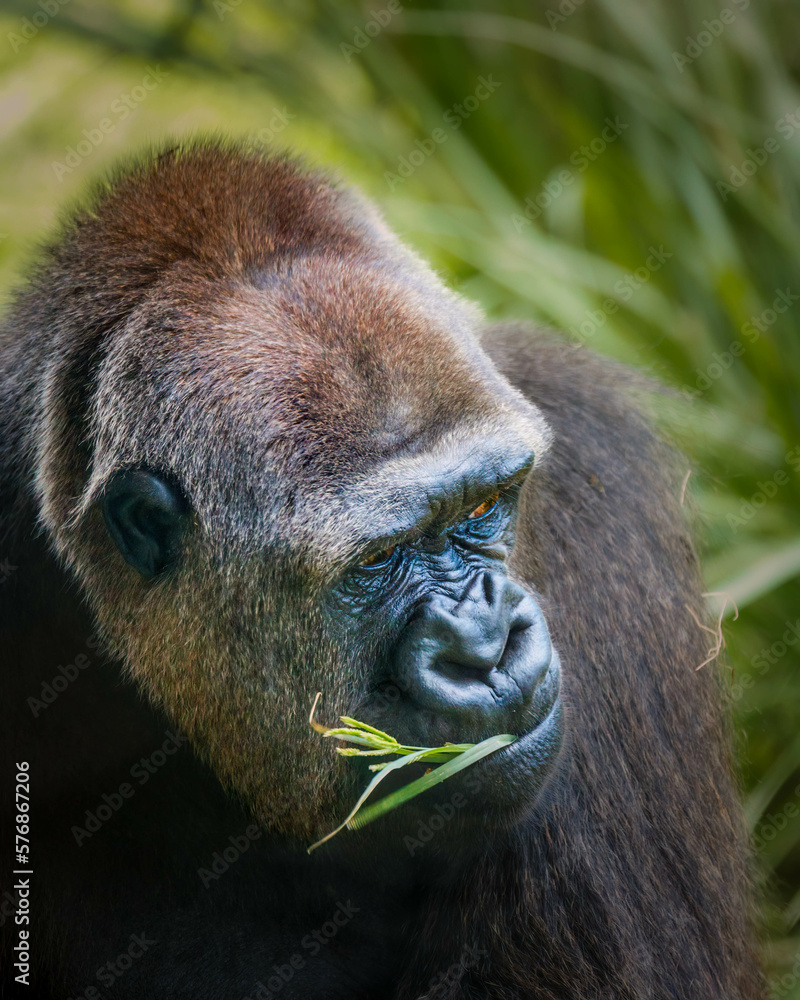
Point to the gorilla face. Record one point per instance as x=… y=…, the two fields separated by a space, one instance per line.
x=332 y=465
x=461 y=649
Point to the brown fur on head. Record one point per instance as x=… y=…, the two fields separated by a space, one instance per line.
x=254 y=332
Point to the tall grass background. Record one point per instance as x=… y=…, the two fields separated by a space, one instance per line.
x=695 y=105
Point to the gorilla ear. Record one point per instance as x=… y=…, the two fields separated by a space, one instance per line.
x=146 y=516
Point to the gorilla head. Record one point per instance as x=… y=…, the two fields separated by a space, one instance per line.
x=298 y=471
x=277 y=457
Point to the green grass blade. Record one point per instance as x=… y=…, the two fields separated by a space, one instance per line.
x=395 y=799
x=366 y=793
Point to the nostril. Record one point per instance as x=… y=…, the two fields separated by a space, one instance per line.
x=461 y=673
x=514 y=639
x=519 y=626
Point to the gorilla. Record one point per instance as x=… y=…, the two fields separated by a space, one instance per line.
x=253 y=449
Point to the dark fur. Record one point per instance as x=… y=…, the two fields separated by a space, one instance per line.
x=169 y=297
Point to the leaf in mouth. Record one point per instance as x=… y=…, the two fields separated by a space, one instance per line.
x=453 y=757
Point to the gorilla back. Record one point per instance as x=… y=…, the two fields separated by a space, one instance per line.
x=253 y=449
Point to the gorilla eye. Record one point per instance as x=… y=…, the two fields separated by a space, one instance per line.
x=379 y=557
x=485 y=507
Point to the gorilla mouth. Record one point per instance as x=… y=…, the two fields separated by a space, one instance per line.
x=506 y=784
x=533 y=753
x=497 y=786
x=538 y=745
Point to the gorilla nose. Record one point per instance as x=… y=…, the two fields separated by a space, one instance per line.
x=483 y=655
x=473 y=634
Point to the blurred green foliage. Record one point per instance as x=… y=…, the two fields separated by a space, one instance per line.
x=623 y=170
